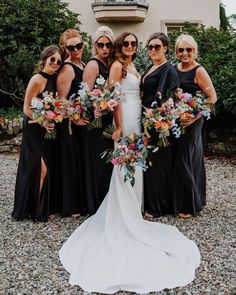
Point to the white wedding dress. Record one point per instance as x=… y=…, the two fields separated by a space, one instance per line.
x=116 y=249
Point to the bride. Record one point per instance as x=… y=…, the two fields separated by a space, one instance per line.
x=116 y=249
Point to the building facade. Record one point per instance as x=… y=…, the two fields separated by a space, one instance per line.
x=144 y=17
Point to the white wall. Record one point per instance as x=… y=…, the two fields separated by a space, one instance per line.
x=160 y=11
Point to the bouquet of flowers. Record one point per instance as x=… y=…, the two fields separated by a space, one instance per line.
x=188 y=106
x=50 y=109
x=130 y=151
x=103 y=98
x=163 y=120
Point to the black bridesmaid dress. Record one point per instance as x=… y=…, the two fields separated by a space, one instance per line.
x=69 y=178
x=158 y=177
x=189 y=182
x=96 y=171
x=28 y=202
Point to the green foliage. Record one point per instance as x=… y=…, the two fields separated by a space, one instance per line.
x=142 y=61
x=26 y=27
x=11 y=113
x=224 y=22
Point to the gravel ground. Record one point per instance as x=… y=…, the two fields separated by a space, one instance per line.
x=29 y=252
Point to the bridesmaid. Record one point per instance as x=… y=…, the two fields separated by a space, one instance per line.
x=160 y=78
x=189 y=170
x=97 y=172
x=32 y=196
x=69 y=178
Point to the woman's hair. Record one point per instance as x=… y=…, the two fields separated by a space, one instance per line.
x=45 y=54
x=161 y=36
x=68 y=34
x=190 y=40
x=119 y=55
x=102 y=31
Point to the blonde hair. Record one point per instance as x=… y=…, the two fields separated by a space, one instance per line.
x=102 y=31
x=68 y=34
x=190 y=40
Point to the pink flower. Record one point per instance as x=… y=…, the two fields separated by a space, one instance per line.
x=96 y=92
x=115 y=161
x=149 y=112
x=111 y=104
x=50 y=115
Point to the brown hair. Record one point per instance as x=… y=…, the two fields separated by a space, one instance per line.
x=68 y=34
x=161 y=36
x=118 y=55
x=45 y=54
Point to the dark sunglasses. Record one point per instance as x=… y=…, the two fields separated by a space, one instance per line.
x=155 y=46
x=188 y=49
x=54 y=60
x=102 y=45
x=132 y=44
x=73 y=47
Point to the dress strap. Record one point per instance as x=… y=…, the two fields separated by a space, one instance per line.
x=45 y=75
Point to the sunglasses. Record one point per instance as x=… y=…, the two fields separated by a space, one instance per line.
x=188 y=50
x=54 y=60
x=102 y=45
x=73 y=47
x=127 y=44
x=155 y=46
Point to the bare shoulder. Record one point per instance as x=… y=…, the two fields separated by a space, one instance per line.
x=37 y=80
x=67 y=68
x=201 y=72
x=116 y=65
x=92 y=65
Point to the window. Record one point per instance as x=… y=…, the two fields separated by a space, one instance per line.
x=176 y=27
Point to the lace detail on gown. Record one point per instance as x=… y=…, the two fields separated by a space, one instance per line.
x=116 y=249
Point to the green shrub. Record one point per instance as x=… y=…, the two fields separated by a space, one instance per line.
x=26 y=27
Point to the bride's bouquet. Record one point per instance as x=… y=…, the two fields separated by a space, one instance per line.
x=49 y=108
x=163 y=121
x=130 y=152
x=103 y=98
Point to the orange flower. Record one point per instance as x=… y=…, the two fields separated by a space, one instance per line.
x=157 y=125
x=165 y=125
x=103 y=104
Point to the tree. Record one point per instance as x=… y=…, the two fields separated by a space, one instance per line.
x=224 y=23
x=26 y=27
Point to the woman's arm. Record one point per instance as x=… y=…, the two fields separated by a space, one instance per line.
x=64 y=80
x=35 y=86
x=116 y=76
x=205 y=83
x=91 y=73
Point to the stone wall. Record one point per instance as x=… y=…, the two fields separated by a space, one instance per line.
x=10 y=134
x=214 y=141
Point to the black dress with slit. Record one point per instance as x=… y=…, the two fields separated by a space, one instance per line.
x=189 y=181
x=29 y=203
x=158 y=177
x=97 y=172
x=69 y=179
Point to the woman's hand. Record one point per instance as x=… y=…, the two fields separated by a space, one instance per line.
x=81 y=122
x=186 y=122
x=49 y=126
x=117 y=134
x=97 y=113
